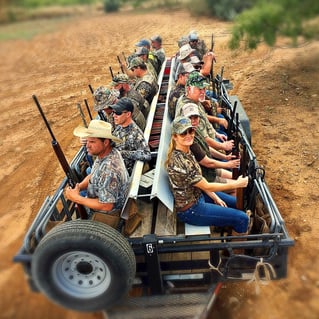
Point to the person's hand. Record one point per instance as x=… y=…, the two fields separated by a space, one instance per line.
x=233 y=163
x=220 y=202
x=223 y=122
x=230 y=157
x=209 y=56
x=242 y=182
x=72 y=193
x=220 y=136
x=228 y=145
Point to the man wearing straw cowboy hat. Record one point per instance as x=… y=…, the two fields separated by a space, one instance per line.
x=108 y=182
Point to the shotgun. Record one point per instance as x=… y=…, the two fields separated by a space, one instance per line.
x=91 y=89
x=82 y=115
x=212 y=68
x=111 y=71
x=124 y=57
x=120 y=63
x=71 y=177
x=236 y=171
x=88 y=108
x=87 y=156
x=230 y=132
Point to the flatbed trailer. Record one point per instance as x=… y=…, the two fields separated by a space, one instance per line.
x=165 y=268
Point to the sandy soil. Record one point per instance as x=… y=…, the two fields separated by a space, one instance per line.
x=278 y=88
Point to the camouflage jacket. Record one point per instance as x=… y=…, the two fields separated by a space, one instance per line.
x=133 y=146
x=147 y=87
x=174 y=95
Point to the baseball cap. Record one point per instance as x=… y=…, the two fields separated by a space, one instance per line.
x=188 y=67
x=141 y=51
x=137 y=61
x=120 y=78
x=104 y=97
x=195 y=60
x=196 y=79
x=192 y=36
x=123 y=104
x=143 y=43
x=156 y=38
x=190 y=109
x=181 y=124
x=185 y=51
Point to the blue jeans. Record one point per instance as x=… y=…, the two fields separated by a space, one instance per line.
x=206 y=213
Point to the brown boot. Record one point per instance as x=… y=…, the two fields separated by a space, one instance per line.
x=239 y=251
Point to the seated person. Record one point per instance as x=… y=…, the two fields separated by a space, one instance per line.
x=195 y=199
x=133 y=146
x=213 y=170
x=145 y=84
x=107 y=184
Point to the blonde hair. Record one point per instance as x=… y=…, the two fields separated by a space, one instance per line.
x=171 y=147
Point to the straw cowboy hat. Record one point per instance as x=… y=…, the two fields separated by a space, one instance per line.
x=96 y=128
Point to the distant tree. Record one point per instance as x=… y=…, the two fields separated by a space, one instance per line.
x=227 y=9
x=268 y=19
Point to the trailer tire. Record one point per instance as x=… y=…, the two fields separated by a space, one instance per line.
x=84 y=265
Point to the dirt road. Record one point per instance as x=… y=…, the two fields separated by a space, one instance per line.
x=278 y=88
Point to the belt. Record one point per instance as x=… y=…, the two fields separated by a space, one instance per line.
x=182 y=209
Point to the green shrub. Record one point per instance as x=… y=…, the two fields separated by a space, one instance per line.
x=42 y=3
x=228 y=9
x=111 y=5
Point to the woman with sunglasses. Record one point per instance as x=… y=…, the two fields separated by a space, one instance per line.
x=196 y=200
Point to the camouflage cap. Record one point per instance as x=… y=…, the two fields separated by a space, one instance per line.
x=120 y=78
x=137 y=61
x=104 y=97
x=181 y=124
x=141 y=51
x=196 y=79
x=195 y=60
x=190 y=109
x=185 y=51
x=156 y=38
x=188 y=67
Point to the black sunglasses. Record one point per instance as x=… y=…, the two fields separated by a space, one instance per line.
x=189 y=131
x=119 y=112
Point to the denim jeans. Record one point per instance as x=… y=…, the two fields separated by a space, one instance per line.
x=206 y=213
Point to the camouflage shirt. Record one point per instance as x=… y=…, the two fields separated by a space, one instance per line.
x=134 y=146
x=160 y=53
x=174 y=95
x=201 y=49
x=183 y=172
x=204 y=125
x=109 y=180
x=139 y=105
x=147 y=87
